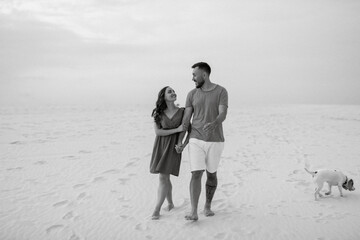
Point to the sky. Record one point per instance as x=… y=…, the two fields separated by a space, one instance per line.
x=125 y=51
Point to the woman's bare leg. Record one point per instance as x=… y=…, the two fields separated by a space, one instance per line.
x=163 y=191
x=169 y=197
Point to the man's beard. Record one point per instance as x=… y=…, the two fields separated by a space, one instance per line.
x=199 y=85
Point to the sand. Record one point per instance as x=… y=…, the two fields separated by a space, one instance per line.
x=75 y=172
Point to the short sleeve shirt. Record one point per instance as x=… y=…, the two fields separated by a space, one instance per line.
x=205 y=105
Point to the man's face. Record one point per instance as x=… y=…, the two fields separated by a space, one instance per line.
x=198 y=77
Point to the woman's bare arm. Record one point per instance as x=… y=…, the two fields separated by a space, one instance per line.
x=167 y=132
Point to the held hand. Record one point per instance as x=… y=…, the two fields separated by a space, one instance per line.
x=179 y=148
x=209 y=127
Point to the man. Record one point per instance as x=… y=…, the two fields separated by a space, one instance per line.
x=207 y=105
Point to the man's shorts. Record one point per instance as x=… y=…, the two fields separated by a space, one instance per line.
x=204 y=155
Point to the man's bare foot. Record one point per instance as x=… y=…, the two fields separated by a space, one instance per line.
x=208 y=212
x=156 y=215
x=191 y=217
x=169 y=207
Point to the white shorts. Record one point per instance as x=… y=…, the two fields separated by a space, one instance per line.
x=204 y=155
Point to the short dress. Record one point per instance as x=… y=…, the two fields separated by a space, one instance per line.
x=164 y=157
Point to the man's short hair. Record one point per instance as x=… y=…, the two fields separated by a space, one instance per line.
x=203 y=66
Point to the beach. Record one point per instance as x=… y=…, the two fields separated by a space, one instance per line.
x=82 y=172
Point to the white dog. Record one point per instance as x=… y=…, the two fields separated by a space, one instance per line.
x=333 y=178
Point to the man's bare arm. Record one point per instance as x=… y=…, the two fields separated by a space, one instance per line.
x=208 y=127
x=185 y=121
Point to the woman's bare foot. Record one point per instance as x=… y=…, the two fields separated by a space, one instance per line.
x=169 y=207
x=156 y=215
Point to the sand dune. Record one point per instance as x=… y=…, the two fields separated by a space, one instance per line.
x=83 y=173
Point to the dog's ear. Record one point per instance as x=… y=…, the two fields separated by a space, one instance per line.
x=351 y=185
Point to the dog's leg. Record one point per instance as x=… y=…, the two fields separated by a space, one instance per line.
x=340 y=190
x=329 y=192
x=317 y=191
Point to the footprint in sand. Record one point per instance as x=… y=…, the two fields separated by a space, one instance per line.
x=74 y=237
x=84 y=151
x=123 y=199
x=40 y=163
x=46 y=195
x=238 y=173
x=112 y=171
x=18 y=142
x=123 y=181
x=141 y=227
x=81 y=196
x=62 y=203
x=320 y=218
x=130 y=164
x=255 y=170
x=99 y=179
x=54 y=228
x=68 y=216
x=124 y=217
x=81 y=185
x=14 y=169
x=274 y=207
x=70 y=157
x=221 y=235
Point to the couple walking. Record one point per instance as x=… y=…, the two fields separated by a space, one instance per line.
x=207 y=106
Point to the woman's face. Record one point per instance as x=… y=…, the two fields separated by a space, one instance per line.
x=170 y=95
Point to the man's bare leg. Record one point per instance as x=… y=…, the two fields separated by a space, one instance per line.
x=211 y=184
x=163 y=190
x=195 y=190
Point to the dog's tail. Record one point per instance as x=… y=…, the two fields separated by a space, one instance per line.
x=312 y=173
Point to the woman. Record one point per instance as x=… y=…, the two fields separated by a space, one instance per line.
x=165 y=159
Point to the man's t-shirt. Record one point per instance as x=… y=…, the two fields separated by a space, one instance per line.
x=206 y=109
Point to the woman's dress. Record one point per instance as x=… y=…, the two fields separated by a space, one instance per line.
x=164 y=157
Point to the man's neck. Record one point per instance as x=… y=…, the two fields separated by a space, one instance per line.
x=208 y=86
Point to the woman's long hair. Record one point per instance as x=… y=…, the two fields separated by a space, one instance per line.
x=160 y=106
